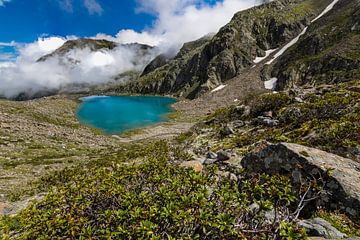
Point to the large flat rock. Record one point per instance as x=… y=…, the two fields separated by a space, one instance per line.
x=341 y=175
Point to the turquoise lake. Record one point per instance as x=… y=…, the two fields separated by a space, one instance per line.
x=114 y=115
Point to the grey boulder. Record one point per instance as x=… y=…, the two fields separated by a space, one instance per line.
x=342 y=181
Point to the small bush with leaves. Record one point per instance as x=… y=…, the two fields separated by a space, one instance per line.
x=155 y=200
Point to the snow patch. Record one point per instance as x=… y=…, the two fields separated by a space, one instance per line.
x=287 y=46
x=267 y=54
x=271 y=84
x=327 y=9
x=218 y=88
x=295 y=40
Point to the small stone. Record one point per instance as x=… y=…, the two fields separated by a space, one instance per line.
x=209 y=161
x=266 y=121
x=238 y=124
x=233 y=177
x=254 y=208
x=227 y=131
x=269 y=114
x=270 y=216
x=211 y=155
x=299 y=100
x=222 y=156
x=195 y=165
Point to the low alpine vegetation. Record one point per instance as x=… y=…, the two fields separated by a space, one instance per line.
x=157 y=199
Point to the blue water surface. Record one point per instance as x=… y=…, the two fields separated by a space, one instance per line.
x=114 y=115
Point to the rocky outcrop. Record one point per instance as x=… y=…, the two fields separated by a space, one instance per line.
x=329 y=52
x=158 y=62
x=206 y=64
x=319 y=227
x=340 y=175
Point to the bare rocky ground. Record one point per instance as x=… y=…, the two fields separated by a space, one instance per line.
x=235 y=90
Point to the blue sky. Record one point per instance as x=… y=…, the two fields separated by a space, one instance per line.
x=26 y=20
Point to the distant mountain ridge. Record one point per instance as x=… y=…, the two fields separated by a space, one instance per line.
x=92 y=44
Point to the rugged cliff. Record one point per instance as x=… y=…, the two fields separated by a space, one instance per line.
x=327 y=53
x=249 y=34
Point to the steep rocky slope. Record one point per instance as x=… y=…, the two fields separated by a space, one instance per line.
x=232 y=49
x=329 y=52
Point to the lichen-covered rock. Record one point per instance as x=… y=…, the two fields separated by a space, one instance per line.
x=195 y=165
x=341 y=175
x=319 y=227
x=222 y=156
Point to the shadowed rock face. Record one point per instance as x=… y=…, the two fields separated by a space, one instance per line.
x=328 y=53
x=159 y=61
x=302 y=163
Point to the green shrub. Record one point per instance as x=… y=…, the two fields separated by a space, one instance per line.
x=268 y=102
x=340 y=221
x=152 y=200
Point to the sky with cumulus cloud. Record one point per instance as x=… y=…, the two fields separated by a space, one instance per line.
x=33 y=28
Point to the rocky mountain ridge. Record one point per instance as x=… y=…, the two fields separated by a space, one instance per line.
x=232 y=49
x=327 y=53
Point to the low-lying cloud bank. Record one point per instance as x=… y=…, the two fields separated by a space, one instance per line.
x=178 y=21
x=77 y=68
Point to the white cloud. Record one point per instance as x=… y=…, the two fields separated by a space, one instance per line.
x=180 y=21
x=41 y=47
x=77 y=67
x=8 y=44
x=93 y=7
x=2 y=2
x=127 y=36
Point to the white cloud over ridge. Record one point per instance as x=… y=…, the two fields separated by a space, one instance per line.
x=2 y=2
x=178 y=21
x=78 y=67
x=8 y=44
